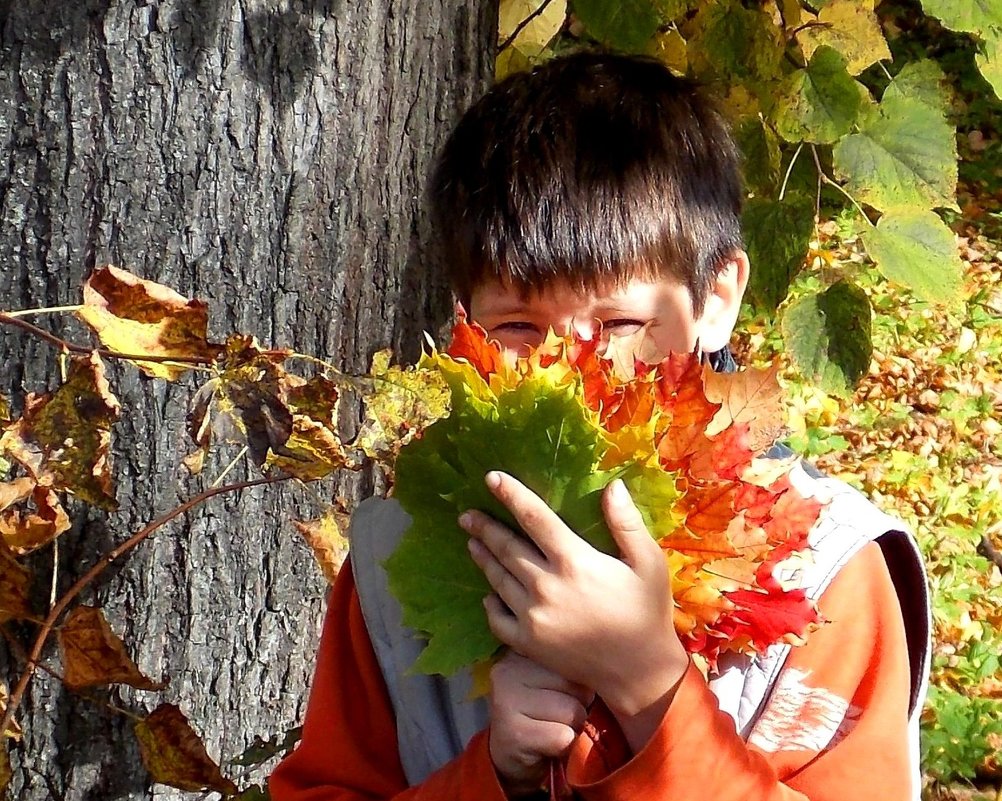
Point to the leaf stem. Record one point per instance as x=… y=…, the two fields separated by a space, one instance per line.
x=836 y=185
x=97 y=569
x=789 y=171
x=522 y=25
x=229 y=467
x=59 y=342
x=45 y=310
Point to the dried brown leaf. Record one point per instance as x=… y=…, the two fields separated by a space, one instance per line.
x=93 y=654
x=24 y=531
x=14 y=728
x=63 y=437
x=15 y=491
x=175 y=755
x=135 y=316
x=751 y=396
x=15 y=584
x=6 y=774
x=327 y=541
x=313 y=449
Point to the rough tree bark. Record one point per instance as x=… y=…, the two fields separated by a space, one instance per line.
x=265 y=155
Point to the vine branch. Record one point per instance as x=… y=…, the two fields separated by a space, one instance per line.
x=97 y=569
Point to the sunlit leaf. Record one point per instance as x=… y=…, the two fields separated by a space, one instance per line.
x=924 y=81
x=969 y=16
x=751 y=397
x=27 y=527
x=670 y=49
x=851 y=27
x=917 y=249
x=93 y=655
x=905 y=154
x=174 y=754
x=326 y=539
x=777 y=238
x=135 y=316
x=820 y=103
x=990 y=61
x=63 y=437
x=313 y=448
x=401 y=402
x=828 y=336
x=531 y=43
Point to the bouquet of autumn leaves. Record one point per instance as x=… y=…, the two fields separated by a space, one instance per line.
x=568 y=419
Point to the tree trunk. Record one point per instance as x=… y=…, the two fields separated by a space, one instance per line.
x=268 y=157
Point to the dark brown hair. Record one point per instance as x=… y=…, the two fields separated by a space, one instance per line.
x=593 y=168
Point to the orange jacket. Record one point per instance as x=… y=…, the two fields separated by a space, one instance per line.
x=835 y=726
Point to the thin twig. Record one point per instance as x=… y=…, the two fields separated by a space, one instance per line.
x=55 y=573
x=888 y=74
x=44 y=310
x=522 y=25
x=836 y=185
x=97 y=569
x=59 y=342
x=789 y=171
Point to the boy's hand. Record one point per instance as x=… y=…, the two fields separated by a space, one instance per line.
x=599 y=621
x=535 y=716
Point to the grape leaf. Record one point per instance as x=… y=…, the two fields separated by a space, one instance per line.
x=903 y=155
x=967 y=16
x=818 y=104
x=93 y=655
x=761 y=156
x=731 y=41
x=777 y=238
x=131 y=315
x=850 y=27
x=63 y=437
x=917 y=249
x=922 y=80
x=828 y=336
x=624 y=25
x=990 y=61
x=174 y=754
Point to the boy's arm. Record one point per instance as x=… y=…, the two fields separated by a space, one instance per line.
x=348 y=751
x=835 y=726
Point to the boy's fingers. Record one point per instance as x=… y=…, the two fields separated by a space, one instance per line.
x=519 y=557
x=627 y=526
x=502 y=623
x=504 y=583
x=534 y=517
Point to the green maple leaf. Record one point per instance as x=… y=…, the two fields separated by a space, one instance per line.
x=541 y=433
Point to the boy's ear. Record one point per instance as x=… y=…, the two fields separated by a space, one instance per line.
x=720 y=312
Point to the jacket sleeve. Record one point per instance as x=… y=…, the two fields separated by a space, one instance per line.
x=348 y=750
x=835 y=726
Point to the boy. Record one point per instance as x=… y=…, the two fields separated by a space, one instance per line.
x=601 y=193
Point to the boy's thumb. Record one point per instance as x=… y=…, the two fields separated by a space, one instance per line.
x=626 y=524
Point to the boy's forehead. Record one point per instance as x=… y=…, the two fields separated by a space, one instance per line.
x=504 y=296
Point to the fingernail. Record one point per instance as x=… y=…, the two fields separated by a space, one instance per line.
x=493 y=479
x=465 y=520
x=474 y=547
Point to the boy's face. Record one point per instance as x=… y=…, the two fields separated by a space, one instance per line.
x=518 y=322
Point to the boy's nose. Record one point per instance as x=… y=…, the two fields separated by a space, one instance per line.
x=582 y=326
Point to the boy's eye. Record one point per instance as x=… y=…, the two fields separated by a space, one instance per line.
x=622 y=326
x=515 y=325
